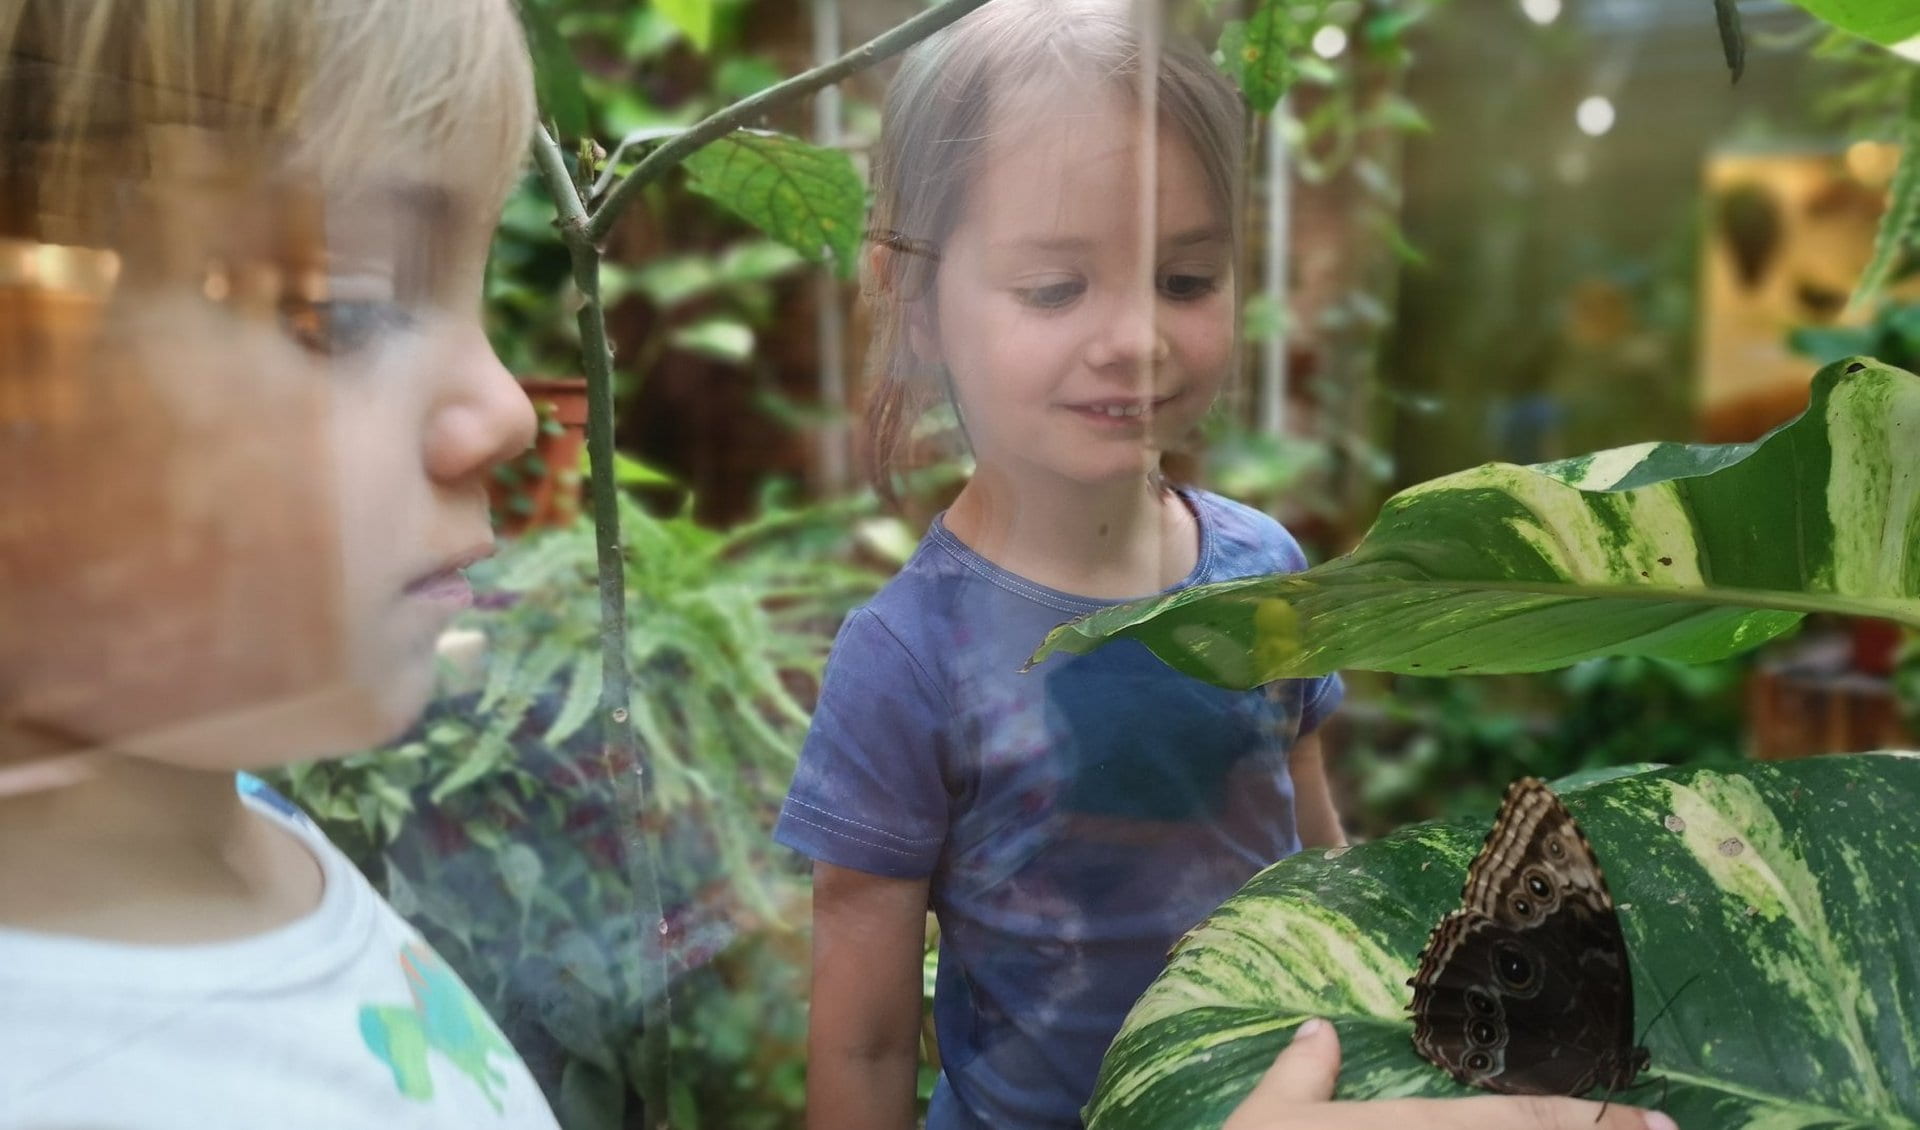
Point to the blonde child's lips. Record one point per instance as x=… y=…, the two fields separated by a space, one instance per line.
x=448 y=586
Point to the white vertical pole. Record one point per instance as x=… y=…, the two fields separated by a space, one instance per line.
x=1273 y=347
x=832 y=456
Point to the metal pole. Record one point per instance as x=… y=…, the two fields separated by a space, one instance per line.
x=1273 y=346
x=831 y=460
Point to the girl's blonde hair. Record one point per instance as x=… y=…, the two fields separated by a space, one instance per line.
x=940 y=113
x=95 y=94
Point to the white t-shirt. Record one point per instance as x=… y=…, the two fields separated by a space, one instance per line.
x=343 y=1020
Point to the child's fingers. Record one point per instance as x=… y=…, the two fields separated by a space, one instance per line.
x=1303 y=1072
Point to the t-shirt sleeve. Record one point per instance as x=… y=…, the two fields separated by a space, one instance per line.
x=1319 y=699
x=869 y=792
x=1321 y=696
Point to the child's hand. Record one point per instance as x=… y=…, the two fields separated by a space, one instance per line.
x=1295 y=1094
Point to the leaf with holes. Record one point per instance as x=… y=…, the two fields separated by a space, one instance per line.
x=807 y=197
x=1790 y=890
x=1675 y=551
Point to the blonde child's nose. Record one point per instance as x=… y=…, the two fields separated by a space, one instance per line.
x=483 y=419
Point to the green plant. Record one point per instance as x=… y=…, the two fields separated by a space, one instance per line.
x=654 y=69
x=500 y=828
x=511 y=497
x=588 y=199
x=1444 y=748
x=1893 y=337
x=1683 y=552
x=1786 y=889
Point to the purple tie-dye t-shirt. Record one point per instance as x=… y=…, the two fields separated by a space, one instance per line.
x=1074 y=821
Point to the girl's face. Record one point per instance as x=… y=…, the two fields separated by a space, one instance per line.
x=1084 y=304
x=253 y=537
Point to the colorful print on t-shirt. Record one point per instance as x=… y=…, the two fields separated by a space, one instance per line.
x=445 y=1018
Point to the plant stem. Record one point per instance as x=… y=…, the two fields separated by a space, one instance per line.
x=620 y=751
x=583 y=232
x=656 y=164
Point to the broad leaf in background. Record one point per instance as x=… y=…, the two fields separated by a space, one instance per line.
x=807 y=197
x=556 y=76
x=1675 y=551
x=719 y=338
x=1886 y=22
x=1264 y=53
x=1790 y=890
x=1899 y=238
x=694 y=18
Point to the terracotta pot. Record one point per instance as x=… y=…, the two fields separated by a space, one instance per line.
x=541 y=489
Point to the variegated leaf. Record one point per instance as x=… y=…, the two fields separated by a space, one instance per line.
x=1791 y=892
x=1677 y=551
x=1883 y=21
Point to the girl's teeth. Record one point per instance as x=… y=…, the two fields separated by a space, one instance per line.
x=1119 y=410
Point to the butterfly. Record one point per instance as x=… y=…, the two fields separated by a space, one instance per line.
x=1525 y=988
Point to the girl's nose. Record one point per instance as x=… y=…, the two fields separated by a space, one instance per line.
x=1129 y=338
x=483 y=417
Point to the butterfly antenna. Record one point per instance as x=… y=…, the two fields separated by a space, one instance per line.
x=1684 y=986
x=1663 y=1081
x=1607 y=1099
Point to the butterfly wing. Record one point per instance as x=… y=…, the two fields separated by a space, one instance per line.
x=1526 y=988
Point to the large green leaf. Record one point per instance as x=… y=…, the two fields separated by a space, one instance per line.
x=1883 y=21
x=807 y=197
x=1680 y=552
x=1791 y=891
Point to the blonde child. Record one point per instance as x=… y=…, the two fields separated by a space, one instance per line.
x=247 y=416
x=1056 y=231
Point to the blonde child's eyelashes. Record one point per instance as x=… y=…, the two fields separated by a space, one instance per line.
x=339 y=327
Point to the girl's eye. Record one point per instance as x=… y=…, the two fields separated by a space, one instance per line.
x=1052 y=296
x=337 y=328
x=1182 y=288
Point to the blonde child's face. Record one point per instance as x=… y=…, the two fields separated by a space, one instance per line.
x=1084 y=304
x=285 y=451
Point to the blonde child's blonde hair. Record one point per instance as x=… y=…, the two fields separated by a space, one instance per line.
x=129 y=131
x=941 y=111
x=94 y=93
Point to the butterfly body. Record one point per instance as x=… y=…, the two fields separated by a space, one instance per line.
x=1526 y=989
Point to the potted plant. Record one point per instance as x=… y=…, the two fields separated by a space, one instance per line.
x=540 y=489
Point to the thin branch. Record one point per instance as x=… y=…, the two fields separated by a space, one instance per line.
x=657 y=163
x=553 y=170
x=620 y=750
